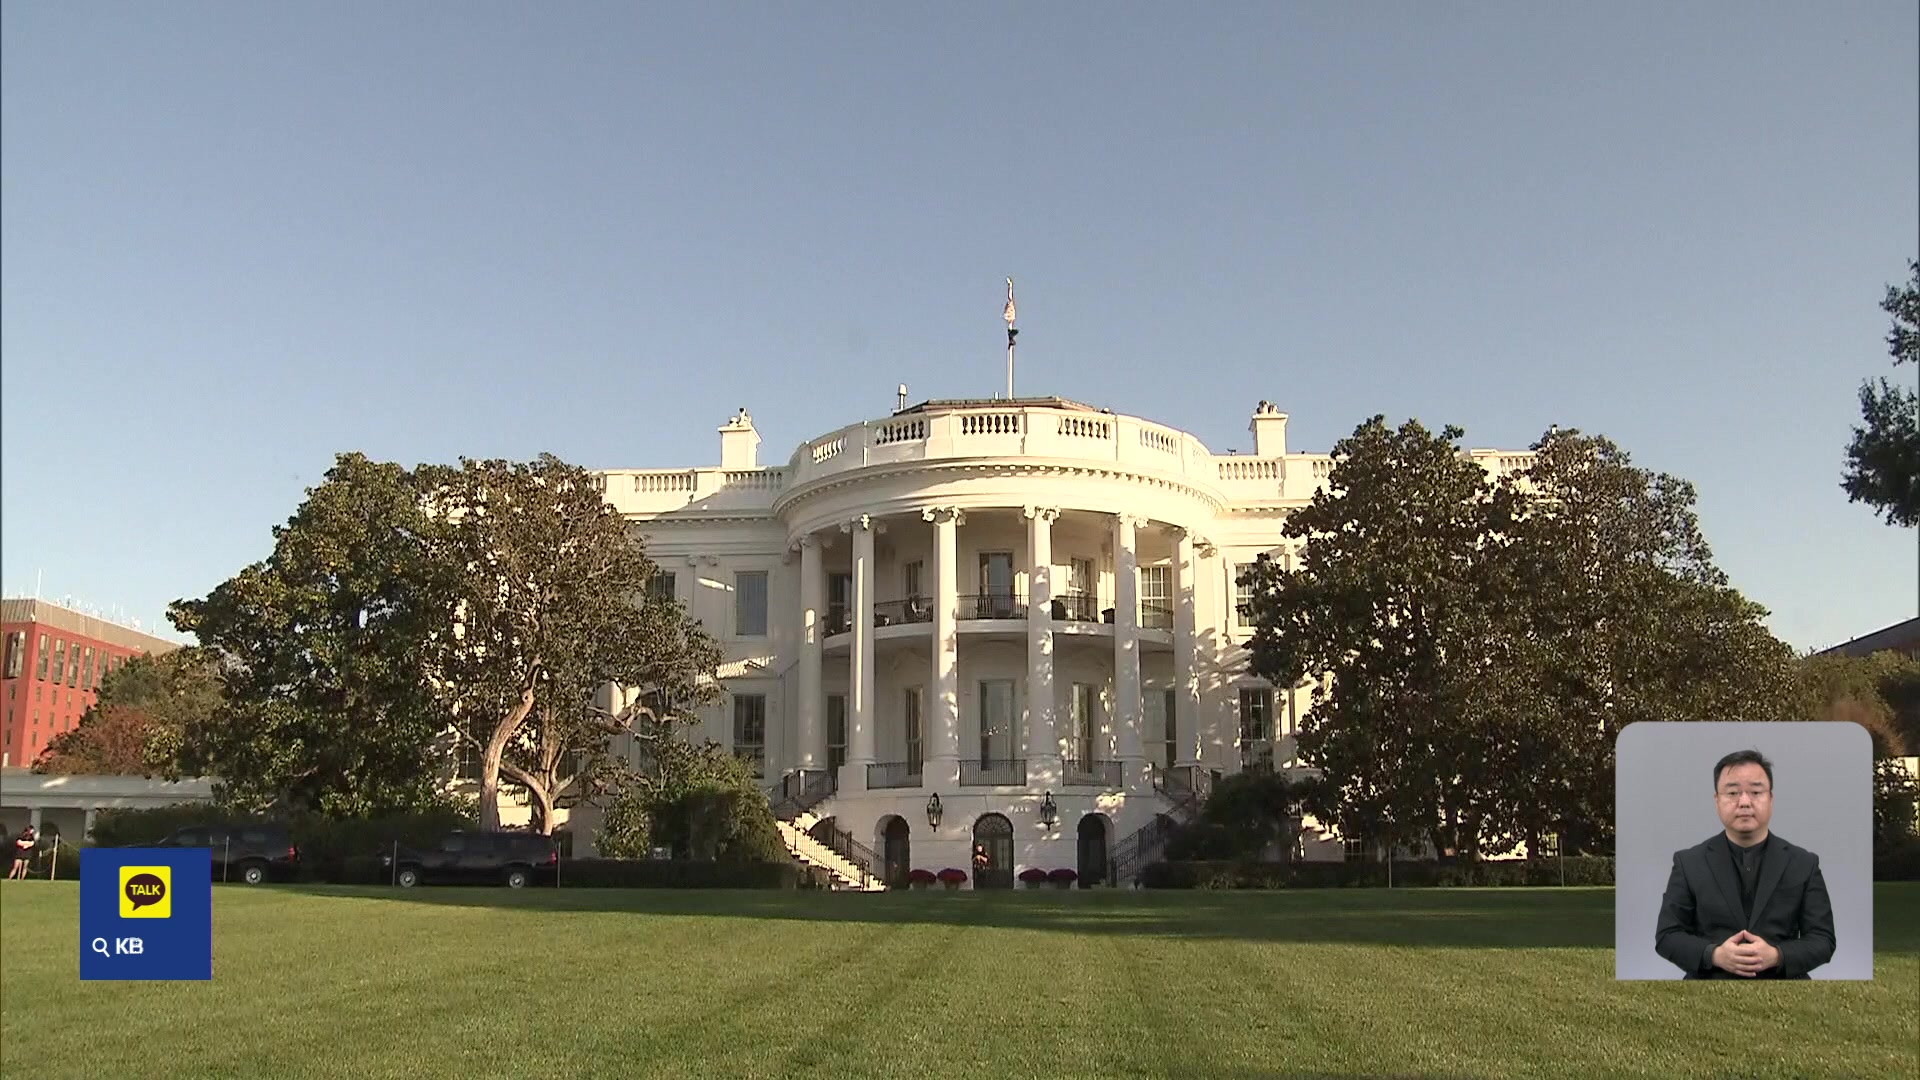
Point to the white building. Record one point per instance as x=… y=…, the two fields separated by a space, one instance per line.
x=1009 y=605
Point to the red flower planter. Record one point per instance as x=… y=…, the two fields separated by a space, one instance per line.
x=1063 y=878
x=953 y=878
x=1033 y=877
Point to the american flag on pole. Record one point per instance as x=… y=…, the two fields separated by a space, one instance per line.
x=1009 y=301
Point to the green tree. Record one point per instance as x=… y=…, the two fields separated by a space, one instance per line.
x=321 y=657
x=549 y=602
x=1880 y=692
x=1883 y=459
x=137 y=724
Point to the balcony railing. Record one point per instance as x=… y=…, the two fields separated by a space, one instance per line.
x=992 y=606
x=1076 y=607
x=1079 y=772
x=802 y=790
x=915 y=609
x=1003 y=773
x=894 y=774
x=1155 y=617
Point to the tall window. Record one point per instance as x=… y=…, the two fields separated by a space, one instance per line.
x=750 y=731
x=836 y=730
x=1242 y=594
x=16 y=653
x=1156 y=597
x=916 y=744
x=996 y=584
x=1083 y=722
x=913 y=579
x=1159 y=723
x=996 y=721
x=1256 y=727
x=750 y=603
x=59 y=661
x=1080 y=577
x=662 y=586
x=86 y=672
x=40 y=668
x=839 y=603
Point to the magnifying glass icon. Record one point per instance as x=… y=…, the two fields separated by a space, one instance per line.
x=100 y=946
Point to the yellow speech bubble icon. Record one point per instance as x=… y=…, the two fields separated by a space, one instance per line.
x=146 y=892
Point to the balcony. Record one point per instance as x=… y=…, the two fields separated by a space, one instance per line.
x=1090 y=772
x=1008 y=772
x=915 y=609
x=992 y=606
x=893 y=774
x=1076 y=607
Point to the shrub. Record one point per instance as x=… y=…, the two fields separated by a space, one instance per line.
x=1897 y=862
x=677 y=874
x=1580 y=870
x=140 y=828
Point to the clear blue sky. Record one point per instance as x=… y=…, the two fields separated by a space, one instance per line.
x=240 y=238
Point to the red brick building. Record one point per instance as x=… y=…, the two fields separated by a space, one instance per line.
x=54 y=660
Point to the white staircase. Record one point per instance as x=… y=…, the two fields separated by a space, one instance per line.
x=810 y=852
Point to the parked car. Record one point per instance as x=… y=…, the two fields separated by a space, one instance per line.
x=513 y=859
x=249 y=853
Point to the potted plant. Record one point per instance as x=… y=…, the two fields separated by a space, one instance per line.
x=1063 y=878
x=921 y=879
x=953 y=878
x=1033 y=877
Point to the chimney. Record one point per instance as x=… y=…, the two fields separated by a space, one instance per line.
x=739 y=443
x=1269 y=429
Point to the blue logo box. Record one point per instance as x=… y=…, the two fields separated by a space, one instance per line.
x=146 y=913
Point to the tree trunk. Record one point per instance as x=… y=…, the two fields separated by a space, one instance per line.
x=540 y=794
x=496 y=749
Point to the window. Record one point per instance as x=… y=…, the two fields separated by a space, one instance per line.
x=16 y=653
x=750 y=603
x=1156 y=597
x=86 y=673
x=59 y=661
x=1355 y=849
x=836 y=730
x=996 y=721
x=750 y=730
x=40 y=669
x=1242 y=594
x=1256 y=728
x=1550 y=845
x=1160 y=726
x=661 y=587
x=466 y=763
x=996 y=586
x=913 y=579
x=1083 y=722
x=916 y=745
x=454 y=843
x=73 y=666
x=839 y=603
x=1080 y=577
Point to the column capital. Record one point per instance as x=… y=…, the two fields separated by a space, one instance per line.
x=862 y=523
x=804 y=541
x=942 y=514
x=1044 y=513
x=1126 y=517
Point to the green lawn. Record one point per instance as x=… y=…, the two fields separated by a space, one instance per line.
x=545 y=983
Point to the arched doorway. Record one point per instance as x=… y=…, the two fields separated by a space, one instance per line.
x=995 y=833
x=896 y=851
x=1095 y=838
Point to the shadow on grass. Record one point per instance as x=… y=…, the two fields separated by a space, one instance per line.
x=1439 y=918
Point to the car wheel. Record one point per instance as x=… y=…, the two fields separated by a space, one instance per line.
x=408 y=878
x=253 y=873
x=516 y=879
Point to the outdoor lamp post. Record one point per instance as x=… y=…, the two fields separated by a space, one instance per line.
x=1049 y=813
x=933 y=810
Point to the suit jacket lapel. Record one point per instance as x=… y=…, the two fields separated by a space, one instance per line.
x=1720 y=861
x=1773 y=863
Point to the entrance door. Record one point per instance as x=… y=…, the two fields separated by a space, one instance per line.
x=995 y=833
x=1094 y=832
x=996 y=585
x=897 y=852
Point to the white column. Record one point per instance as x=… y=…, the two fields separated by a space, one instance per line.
x=942 y=769
x=813 y=603
x=1186 y=681
x=92 y=814
x=1126 y=652
x=1043 y=749
x=861 y=713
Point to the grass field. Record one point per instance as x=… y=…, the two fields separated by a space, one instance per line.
x=562 y=983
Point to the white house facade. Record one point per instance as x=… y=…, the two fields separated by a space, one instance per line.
x=1003 y=623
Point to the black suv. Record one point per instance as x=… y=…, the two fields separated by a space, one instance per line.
x=249 y=853
x=513 y=859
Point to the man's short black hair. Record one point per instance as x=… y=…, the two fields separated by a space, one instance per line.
x=1742 y=757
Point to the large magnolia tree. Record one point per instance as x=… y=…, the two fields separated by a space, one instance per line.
x=1883 y=457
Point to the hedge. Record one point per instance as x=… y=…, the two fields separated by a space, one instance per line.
x=677 y=874
x=1900 y=862
x=1579 y=870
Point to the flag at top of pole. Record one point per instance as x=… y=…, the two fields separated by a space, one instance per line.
x=1009 y=301
x=1010 y=335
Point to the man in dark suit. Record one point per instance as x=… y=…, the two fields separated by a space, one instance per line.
x=1745 y=904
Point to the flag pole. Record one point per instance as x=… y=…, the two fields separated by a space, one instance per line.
x=1011 y=333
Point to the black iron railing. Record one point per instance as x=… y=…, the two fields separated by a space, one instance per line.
x=1076 y=607
x=988 y=773
x=1155 y=617
x=842 y=843
x=802 y=790
x=1093 y=772
x=992 y=606
x=894 y=774
x=1188 y=786
x=914 y=609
